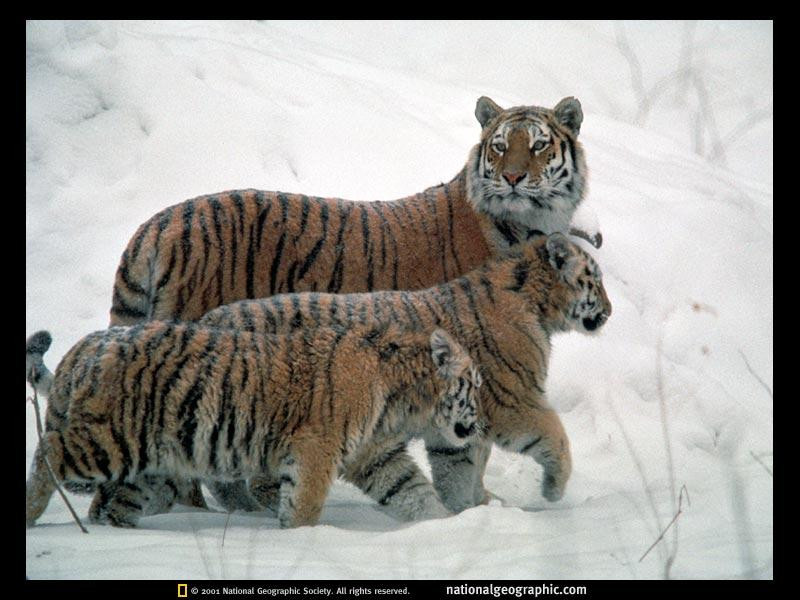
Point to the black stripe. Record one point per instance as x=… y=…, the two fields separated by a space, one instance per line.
x=335 y=283
x=384 y=229
x=304 y=208
x=395 y=254
x=505 y=230
x=412 y=313
x=123 y=309
x=250 y=264
x=221 y=246
x=383 y=460
x=234 y=247
x=312 y=256
x=223 y=413
x=290 y=277
x=531 y=445
x=445 y=451
x=262 y=217
x=459 y=269
x=122 y=273
x=273 y=270
x=206 y=246
x=430 y=196
x=367 y=246
x=186 y=235
x=396 y=488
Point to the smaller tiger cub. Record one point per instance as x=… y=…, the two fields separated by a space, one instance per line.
x=129 y=406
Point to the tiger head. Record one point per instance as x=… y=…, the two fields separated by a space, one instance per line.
x=528 y=169
x=456 y=413
x=577 y=299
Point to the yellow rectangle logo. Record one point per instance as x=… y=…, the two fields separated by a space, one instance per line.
x=182 y=592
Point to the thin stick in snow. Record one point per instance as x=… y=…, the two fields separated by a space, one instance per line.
x=35 y=402
x=761 y=462
x=675 y=518
x=225 y=530
x=754 y=374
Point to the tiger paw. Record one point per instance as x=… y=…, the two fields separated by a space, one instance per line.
x=552 y=489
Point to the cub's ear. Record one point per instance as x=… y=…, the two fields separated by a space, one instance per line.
x=559 y=251
x=486 y=110
x=447 y=354
x=569 y=113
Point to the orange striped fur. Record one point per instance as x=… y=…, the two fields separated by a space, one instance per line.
x=145 y=404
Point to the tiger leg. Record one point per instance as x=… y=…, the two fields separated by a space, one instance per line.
x=480 y=494
x=234 y=495
x=389 y=475
x=40 y=486
x=121 y=504
x=548 y=446
x=191 y=494
x=306 y=475
x=457 y=472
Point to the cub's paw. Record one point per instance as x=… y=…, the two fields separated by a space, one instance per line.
x=552 y=489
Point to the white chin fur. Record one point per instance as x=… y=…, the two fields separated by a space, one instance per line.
x=500 y=206
x=455 y=441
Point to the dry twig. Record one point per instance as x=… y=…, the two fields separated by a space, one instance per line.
x=675 y=518
x=761 y=462
x=35 y=401
x=754 y=374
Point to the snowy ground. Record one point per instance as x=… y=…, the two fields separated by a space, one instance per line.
x=124 y=119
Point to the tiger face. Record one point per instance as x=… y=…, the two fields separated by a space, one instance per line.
x=528 y=168
x=456 y=414
x=586 y=306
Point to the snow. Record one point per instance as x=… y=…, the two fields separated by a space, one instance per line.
x=125 y=118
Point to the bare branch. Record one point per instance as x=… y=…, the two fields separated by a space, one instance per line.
x=662 y=404
x=675 y=518
x=685 y=62
x=753 y=119
x=761 y=462
x=637 y=80
x=35 y=402
x=225 y=530
x=707 y=119
x=754 y=374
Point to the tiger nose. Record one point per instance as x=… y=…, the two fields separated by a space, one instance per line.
x=513 y=178
x=462 y=431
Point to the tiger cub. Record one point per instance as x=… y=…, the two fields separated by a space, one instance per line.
x=504 y=314
x=132 y=408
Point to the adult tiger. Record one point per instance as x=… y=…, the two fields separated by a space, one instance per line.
x=526 y=173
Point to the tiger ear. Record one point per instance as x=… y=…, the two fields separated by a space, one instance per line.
x=558 y=251
x=486 y=110
x=447 y=354
x=569 y=113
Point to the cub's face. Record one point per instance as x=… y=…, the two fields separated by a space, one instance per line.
x=586 y=305
x=457 y=413
x=528 y=166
